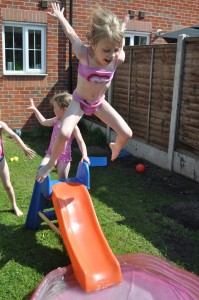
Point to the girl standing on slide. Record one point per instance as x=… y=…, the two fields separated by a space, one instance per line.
x=60 y=103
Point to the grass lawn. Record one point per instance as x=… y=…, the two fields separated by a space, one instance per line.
x=125 y=208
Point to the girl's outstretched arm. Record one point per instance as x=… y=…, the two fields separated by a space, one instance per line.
x=122 y=53
x=125 y=21
x=28 y=152
x=43 y=121
x=68 y=30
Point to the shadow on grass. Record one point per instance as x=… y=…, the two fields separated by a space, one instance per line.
x=36 y=256
x=126 y=192
x=20 y=245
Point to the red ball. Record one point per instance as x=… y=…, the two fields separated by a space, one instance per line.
x=140 y=168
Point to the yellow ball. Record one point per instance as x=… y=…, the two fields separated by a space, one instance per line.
x=11 y=159
x=15 y=158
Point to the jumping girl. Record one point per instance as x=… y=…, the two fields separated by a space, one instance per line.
x=97 y=64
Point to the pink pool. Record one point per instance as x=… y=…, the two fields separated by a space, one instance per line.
x=145 y=277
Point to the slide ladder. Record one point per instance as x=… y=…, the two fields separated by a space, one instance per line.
x=41 y=204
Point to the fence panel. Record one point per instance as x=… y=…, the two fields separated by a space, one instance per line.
x=188 y=133
x=161 y=95
x=142 y=91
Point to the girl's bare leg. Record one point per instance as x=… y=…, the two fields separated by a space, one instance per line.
x=63 y=170
x=110 y=117
x=49 y=166
x=45 y=160
x=70 y=119
x=5 y=177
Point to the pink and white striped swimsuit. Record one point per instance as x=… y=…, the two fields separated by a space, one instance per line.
x=96 y=75
x=66 y=154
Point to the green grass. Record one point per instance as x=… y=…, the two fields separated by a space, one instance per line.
x=125 y=209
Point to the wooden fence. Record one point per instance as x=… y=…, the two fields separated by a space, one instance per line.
x=156 y=90
x=142 y=91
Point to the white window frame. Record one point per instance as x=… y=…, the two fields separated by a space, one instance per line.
x=26 y=70
x=131 y=34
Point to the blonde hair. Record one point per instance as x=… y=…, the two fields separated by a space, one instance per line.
x=62 y=99
x=105 y=24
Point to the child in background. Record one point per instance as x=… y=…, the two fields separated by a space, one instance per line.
x=97 y=64
x=4 y=170
x=60 y=103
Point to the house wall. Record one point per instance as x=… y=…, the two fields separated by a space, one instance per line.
x=16 y=90
x=165 y=15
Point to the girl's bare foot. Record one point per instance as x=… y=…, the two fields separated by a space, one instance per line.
x=115 y=151
x=18 y=212
x=43 y=172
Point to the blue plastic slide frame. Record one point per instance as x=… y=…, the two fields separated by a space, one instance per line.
x=98 y=161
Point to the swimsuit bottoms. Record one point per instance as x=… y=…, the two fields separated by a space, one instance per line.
x=88 y=107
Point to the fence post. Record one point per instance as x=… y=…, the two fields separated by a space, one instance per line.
x=129 y=85
x=176 y=98
x=149 y=99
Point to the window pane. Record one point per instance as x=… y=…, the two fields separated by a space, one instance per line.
x=18 y=60
x=31 y=39
x=143 y=40
x=18 y=37
x=34 y=49
x=31 y=59
x=34 y=59
x=8 y=37
x=9 y=60
x=127 y=41
x=37 y=39
x=34 y=39
x=38 y=60
x=140 y=40
x=136 y=40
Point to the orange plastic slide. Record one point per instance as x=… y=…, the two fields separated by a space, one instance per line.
x=94 y=264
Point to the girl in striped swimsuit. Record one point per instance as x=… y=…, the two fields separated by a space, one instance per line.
x=60 y=103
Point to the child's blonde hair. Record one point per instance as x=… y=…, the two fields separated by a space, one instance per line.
x=62 y=99
x=105 y=24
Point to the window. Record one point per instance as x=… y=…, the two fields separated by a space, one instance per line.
x=133 y=38
x=24 y=49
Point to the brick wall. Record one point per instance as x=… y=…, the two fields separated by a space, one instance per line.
x=165 y=15
x=16 y=90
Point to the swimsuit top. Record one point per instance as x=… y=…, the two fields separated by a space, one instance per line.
x=1 y=145
x=91 y=74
